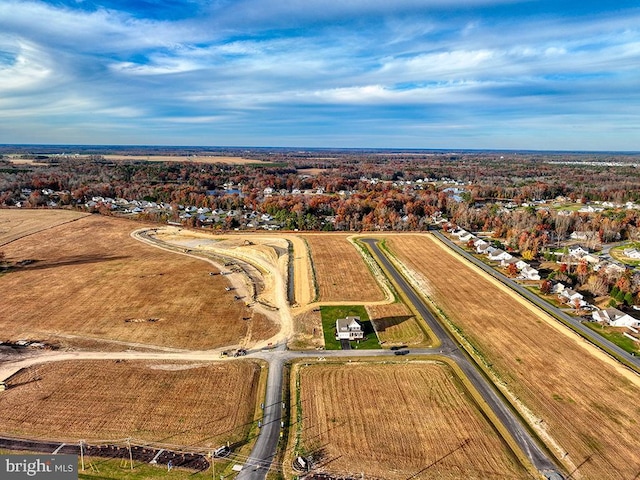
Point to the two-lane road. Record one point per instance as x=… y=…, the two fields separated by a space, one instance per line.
x=576 y=324
x=452 y=350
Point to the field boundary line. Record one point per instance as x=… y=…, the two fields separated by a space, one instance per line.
x=81 y=217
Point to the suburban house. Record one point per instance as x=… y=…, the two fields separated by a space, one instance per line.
x=571 y=296
x=587 y=235
x=578 y=251
x=466 y=237
x=460 y=233
x=530 y=273
x=499 y=255
x=520 y=264
x=482 y=247
x=478 y=242
x=349 y=329
x=615 y=318
x=509 y=261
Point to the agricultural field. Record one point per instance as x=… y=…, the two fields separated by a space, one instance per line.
x=395 y=324
x=341 y=273
x=18 y=223
x=582 y=403
x=203 y=405
x=394 y=421
x=91 y=280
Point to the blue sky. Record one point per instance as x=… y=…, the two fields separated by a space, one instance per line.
x=546 y=75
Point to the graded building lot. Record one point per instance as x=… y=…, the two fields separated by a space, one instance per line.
x=580 y=402
x=395 y=420
x=90 y=278
x=340 y=271
x=18 y=223
x=395 y=324
x=200 y=405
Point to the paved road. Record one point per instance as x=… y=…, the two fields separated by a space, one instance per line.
x=264 y=450
x=586 y=332
x=452 y=350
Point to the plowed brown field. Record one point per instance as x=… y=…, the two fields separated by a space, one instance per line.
x=341 y=273
x=169 y=403
x=90 y=278
x=394 y=421
x=582 y=399
x=18 y=223
x=396 y=325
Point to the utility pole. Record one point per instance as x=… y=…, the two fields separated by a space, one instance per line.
x=82 y=454
x=130 y=454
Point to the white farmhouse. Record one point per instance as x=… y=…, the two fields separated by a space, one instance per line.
x=349 y=329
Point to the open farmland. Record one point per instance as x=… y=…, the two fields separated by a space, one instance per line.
x=202 y=404
x=341 y=273
x=582 y=403
x=394 y=420
x=89 y=278
x=18 y=223
x=395 y=324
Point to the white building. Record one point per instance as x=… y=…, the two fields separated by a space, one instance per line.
x=615 y=318
x=349 y=329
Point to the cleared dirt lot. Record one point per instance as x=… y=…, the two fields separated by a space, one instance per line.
x=341 y=273
x=18 y=223
x=90 y=278
x=394 y=420
x=169 y=403
x=582 y=403
x=395 y=324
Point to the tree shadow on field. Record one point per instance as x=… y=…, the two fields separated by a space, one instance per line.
x=387 y=322
x=34 y=264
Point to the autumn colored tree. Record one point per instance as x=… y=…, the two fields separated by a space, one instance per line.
x=545 y=287
x=512 y=270
x=582 y=270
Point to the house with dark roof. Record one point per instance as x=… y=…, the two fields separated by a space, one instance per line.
x=349 y=328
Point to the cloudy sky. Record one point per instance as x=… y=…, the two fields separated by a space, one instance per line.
x=511 y=74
